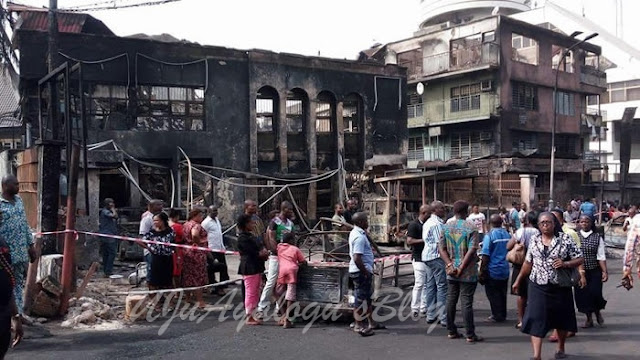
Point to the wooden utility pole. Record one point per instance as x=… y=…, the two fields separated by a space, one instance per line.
x=68 y=260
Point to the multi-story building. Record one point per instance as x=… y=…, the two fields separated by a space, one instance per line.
x=481 y=99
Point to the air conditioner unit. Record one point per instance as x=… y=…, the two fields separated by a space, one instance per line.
x=485 y=136
x=486 y=85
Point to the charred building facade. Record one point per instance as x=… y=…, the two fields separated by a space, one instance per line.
x=481 y=104
x=255 y=118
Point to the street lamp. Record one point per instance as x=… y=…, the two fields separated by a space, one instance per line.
x=555 y=110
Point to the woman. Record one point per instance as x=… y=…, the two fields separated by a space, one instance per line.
x=589 y=299
x=178 y=253
x=251 y=266
x=194 y=265
x=161 y=255
x=522 y=237
x=549 y=305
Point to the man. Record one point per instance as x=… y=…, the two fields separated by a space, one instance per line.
x=632 y=247
x=514 y=216
x=9 y=316
x=216 y=260
x=478 y=219
x=458 y=248
x=495 y=269
x=414 y=239
x=337 y=224
x=559 y=214
x=108 y=225
x=352 y=208
x=278 y=227
x=15 y=231
x=588 y=208
x=361 y=273
x=154 y=207
x=436 y=276
x=523 y=213
x=251 y=209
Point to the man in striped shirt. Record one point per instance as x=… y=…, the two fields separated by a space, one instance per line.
x=436 y=276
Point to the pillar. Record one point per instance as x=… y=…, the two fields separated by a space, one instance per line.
x=49 y=166
x=312 y=155
x=528 y=189
x=134 y=193
x=340 y=143
x=282 y=133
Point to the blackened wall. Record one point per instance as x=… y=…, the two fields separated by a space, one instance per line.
x=232 y=79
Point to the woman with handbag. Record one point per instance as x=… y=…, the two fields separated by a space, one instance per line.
x=589 y=300
x=551 y=259
x=252 y=258
x=517 y=248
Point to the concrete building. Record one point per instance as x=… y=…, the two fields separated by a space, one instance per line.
x=245 y=116
x=622 y=65
x=480 y=108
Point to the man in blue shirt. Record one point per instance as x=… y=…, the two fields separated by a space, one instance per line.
x=587 y=208
x=109 y=226
x=494 y=272
x=361 y=274
x=514 y=216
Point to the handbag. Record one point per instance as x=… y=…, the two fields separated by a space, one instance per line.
x=517 y=254
x=568 y=277
x=263 y=254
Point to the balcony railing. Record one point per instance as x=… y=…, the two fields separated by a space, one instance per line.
x=465 y=108
x=589 y=75
x=460 y=59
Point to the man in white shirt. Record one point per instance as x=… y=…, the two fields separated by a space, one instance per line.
x=436 y=276
x=216 y=260
x=522 y=214
x=154 y=207
x=478 y=219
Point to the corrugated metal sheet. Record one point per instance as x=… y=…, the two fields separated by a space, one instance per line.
x=38 y=20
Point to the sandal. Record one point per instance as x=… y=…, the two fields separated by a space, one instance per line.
x=587 y=325
x=454 y=336
x=560 y=355
x=600 y=319
x=365 y=332
x=553 y=338
x=474 y=339
x=519 y=325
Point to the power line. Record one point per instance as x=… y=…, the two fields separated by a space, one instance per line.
x=101 y=6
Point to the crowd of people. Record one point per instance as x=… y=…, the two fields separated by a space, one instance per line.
x=556 y=269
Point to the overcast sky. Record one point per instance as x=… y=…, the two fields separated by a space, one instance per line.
x=335 y=28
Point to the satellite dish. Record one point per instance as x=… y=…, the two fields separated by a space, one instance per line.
x=420 y=88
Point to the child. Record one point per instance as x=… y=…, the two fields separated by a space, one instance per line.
x=289 y=258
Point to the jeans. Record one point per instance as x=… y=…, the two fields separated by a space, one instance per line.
x=419 y=294
x=497 y=294
x=436 y=290
x=109 y=248
x=464 y=290
x=272 y=278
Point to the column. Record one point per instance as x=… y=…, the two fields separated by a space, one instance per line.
x=312 y=154
x=282 y=132
x=528 y=189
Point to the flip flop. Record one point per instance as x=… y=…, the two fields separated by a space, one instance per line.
x=454 y=336
x=587 y=325
x=474 y=339
x=366 y=332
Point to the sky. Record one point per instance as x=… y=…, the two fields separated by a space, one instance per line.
x=331 y=28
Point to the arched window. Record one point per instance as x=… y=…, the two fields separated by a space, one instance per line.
x=326 y=136
x=353 y=119
x=267 y=126
x=297 y=154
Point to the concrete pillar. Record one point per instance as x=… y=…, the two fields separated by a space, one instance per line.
x=339 y=197
x=312 y=153
x=282 y=132
x=134 y=193
x=528 y=189
x=49 y=166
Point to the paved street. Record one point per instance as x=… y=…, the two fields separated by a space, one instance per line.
x=403 y=340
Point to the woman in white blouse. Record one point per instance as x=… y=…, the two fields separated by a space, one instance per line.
x=589 y=299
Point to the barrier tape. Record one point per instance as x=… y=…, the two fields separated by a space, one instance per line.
x=200 y=248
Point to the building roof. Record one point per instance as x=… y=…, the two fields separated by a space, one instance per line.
x=32 y=18
x=9 y=97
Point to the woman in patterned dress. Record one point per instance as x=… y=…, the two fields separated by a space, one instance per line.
x=549 y=305
x=161 y=274
x=589 y=299
x=194 y=266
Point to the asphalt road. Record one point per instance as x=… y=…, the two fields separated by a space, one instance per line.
x=211 y=338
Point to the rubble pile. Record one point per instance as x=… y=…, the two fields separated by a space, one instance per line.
x=87 y=312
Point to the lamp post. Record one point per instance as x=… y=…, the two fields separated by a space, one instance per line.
x=555 y=111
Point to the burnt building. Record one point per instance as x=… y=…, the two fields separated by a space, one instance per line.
x=481 y=106
x=251 y=117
